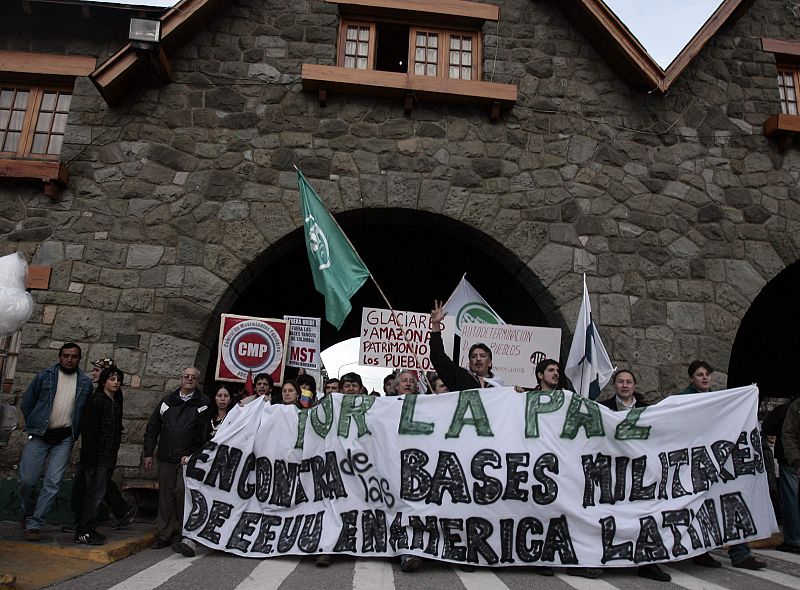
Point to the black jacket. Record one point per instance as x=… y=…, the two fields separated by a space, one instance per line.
x=454 y=377
x=179 y=427
x=101 y=430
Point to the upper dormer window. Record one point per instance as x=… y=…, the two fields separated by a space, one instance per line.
x=421 y=51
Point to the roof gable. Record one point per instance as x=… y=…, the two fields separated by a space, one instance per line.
x=617 y=42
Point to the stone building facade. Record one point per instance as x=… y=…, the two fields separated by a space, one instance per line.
x=676 y=206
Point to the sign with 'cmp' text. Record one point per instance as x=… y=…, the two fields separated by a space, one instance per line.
x=487 y=477
x=251 y=345
x=398 y=339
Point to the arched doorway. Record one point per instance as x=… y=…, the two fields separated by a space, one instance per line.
x=766 y=350
x=415 y=256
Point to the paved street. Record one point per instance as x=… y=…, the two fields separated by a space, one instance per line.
x=165 y=570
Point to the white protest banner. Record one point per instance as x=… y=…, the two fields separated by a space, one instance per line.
x=251 y=345
x=488 y=477
x=398 y=340
x=515 y=349
x=303 y=342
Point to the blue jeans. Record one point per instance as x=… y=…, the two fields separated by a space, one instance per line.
x=789 y=506
x=38 y=452
x=738 y=552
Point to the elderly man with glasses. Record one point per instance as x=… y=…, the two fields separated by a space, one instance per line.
x=178 y=426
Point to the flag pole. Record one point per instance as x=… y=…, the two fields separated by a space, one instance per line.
x=375 y=282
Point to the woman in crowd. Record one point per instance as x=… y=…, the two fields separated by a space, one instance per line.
x=290 y=393
x=223 y=402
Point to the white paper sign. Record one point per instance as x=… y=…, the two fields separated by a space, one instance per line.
x=488 y=477
x=515 y=349
x=304 y=346
x=399 y=339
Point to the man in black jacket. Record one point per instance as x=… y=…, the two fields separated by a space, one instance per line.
x=454 y=377
x=178 y=425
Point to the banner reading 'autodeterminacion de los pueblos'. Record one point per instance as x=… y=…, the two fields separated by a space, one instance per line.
x=486 y=477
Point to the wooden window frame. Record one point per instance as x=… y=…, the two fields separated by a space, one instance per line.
x=32 y=111
x=342 y=40
x=794 y=71
x=443 y=65
x=445 y=17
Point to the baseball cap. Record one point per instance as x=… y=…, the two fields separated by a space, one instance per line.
x=104 y=363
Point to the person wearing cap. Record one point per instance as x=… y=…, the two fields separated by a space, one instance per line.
x=454 y=377
x=113 y=497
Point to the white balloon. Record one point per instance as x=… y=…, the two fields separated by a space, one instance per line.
x=16 y=304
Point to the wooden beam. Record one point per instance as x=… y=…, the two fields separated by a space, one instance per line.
x=781 y=123
x=44 y=170
x=460 y=8
x=693 y=47
x=630 y=45
x=780 y=46
x=161 y=65
x=46 y=64
x=38 y=277
x=379 y=83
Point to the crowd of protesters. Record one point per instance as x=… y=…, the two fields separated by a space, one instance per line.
x=62 y=403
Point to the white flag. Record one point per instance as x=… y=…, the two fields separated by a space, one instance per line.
x=467 y=306
x=588 y=365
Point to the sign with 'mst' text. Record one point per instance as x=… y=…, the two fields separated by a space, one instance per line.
x=251 y=345
x=398 y=339
x=303 y=342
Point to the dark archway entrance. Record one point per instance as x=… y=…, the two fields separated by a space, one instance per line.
x=766 y=350
x=415 y=256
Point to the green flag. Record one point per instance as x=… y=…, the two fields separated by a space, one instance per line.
x=337 y=268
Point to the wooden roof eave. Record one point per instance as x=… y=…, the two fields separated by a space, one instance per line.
x=129 y=68
x=644 y=66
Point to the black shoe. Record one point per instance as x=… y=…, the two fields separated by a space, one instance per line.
x=123 y=522
x=183 y=548
x=591 y=573
x=323 y=560
x=90 y=538
x=160 y=543
x=705 y=560
x=749 y=563
x=411 y=563
x=467 y=568
x=543 y=570
x=653 y=572
x=787 y=548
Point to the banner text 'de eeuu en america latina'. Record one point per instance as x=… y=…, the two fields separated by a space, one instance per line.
x=490 y=477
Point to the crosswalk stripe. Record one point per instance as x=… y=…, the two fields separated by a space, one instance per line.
x=373 y=574
x=158 y=573
x=585 y=583
x=690 y=582
x=269 y=574
x=767 y=574
x=780 y=555
x=481 y=579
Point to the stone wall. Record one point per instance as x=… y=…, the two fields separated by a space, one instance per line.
x=676 y=206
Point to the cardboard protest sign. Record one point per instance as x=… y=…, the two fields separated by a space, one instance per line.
x=304 y=346
x=248 y=344
x=398 y=340
x=487 y=477
x=515 y=349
